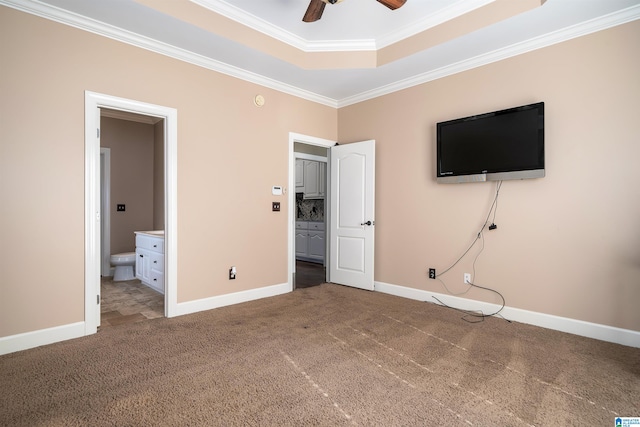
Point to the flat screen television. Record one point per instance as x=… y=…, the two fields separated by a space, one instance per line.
x=505 y=144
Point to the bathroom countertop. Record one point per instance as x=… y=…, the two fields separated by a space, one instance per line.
x=153 y=233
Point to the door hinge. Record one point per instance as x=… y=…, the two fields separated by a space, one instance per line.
x=98 y=133
x=98 y=299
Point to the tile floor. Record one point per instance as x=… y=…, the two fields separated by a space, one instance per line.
x=128 y=302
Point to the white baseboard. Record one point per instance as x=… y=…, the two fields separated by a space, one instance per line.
x=564 y=324
x=40 y=337
x=627 y=337
x=230 y=299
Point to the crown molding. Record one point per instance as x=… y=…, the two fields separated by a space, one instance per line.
x=61 y=16
x=242 y=17
x=588 y=27
x=37 y=8
x=446 y=14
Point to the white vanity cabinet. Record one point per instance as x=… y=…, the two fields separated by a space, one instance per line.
x=150 y=260
x=310 y=241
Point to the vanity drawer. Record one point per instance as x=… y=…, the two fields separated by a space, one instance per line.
x=156 y=281
x=156 y=261
x=316 y=226
x=155 y=244
x=302 y=225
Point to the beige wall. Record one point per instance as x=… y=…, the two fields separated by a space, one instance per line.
x=132 y=179
x=230 y=153
x=567 y=244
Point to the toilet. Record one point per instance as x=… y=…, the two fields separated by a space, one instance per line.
x=124 y=264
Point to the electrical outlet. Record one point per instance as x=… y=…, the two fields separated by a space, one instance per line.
x=432 y=273
x=467 y=278
x=232 y=273
x=275 y=206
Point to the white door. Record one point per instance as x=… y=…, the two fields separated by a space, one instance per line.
x=352 y=214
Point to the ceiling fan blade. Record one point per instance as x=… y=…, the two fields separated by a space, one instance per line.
x=393 y=4
x=314 y=11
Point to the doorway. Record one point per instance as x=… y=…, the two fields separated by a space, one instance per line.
x=350 y=203
x=310 y=231
x=302 y=273
x=132 y=177
x=94 y=103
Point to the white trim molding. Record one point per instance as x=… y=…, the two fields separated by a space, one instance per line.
x=27 y=340
x=579 y=30
x=87 y=24
x=210 y=303
x=106 y=30
x=356 y=45
x=563 y=324
x=238 y=15
x=93 y=103
x=291 y=215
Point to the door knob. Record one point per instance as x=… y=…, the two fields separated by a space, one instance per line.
x=367 y=223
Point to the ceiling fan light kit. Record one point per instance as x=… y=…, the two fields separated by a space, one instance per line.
x=316 y=7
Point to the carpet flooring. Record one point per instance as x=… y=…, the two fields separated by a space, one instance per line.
x=326 y=355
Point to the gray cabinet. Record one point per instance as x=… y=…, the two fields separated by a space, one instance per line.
x=310 y=241
x=311 y=178
x=299 y=176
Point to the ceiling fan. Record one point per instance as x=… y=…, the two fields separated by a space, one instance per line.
x=316 y=7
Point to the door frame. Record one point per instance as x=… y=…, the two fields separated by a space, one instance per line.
x=93 y=102
x=105 y=200
x=291 y=252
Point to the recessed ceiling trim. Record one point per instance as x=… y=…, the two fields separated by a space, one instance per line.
x=598 y=24
x=236 y=14
x=77 y=21
x=459 y=8
x=340 y=46
x=242 y=17
x=74 y=20
x=443 y=15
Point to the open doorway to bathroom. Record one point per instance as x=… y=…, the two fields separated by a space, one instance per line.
x=94 y=103
x=132 y=199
